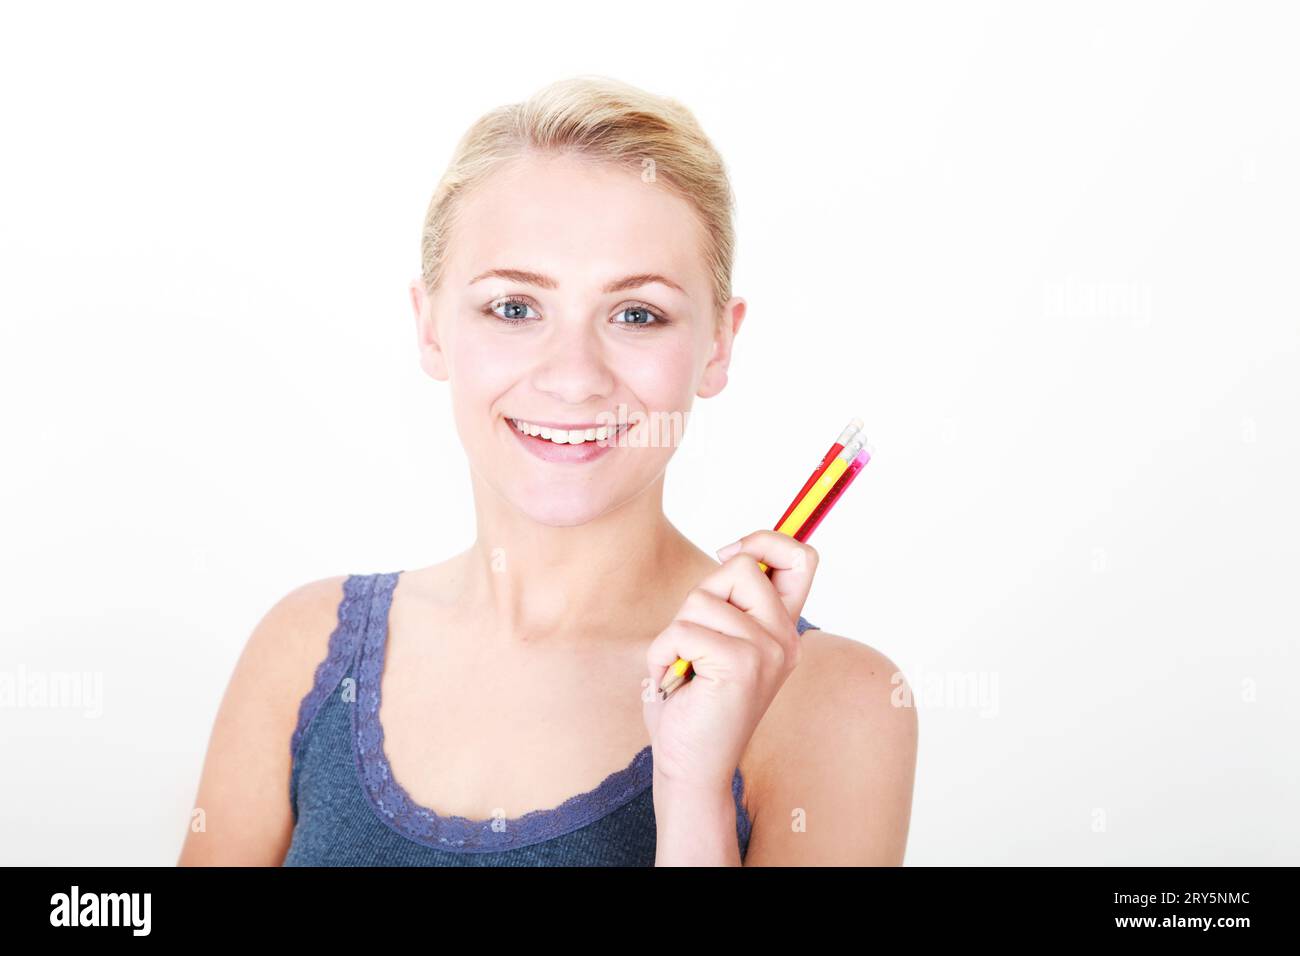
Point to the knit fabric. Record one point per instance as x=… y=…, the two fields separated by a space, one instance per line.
x=349 y=810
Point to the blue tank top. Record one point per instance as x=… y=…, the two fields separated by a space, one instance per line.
x=348 y=810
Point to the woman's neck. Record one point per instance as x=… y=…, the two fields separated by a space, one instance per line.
x=529 y=581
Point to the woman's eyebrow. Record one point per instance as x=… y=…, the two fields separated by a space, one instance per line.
x=546 y=282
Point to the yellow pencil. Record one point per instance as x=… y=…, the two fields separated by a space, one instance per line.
x=676 y=674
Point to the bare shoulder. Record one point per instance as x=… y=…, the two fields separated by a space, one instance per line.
x=297 y=628
x=834 y=760
x=241 y=813
x=281 y=654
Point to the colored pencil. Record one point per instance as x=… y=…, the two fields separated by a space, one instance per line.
x=851 y=429
x=839 y=466
x=828 y=502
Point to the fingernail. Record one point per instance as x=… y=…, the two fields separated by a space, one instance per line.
x=728 y=551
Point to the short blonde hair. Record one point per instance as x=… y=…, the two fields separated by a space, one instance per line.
x=607 y=120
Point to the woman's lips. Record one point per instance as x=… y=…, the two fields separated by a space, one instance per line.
x=547 y=450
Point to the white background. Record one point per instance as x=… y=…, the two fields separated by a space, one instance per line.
x=1047 y=252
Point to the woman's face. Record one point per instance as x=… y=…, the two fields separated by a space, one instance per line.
x=574 y=294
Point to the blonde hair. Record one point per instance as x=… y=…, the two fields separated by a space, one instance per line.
x=607 y=120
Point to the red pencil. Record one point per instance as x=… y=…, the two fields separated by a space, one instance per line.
x=823 y=509
x=846 y=436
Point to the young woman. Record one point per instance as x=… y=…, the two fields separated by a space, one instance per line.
x=498 y=707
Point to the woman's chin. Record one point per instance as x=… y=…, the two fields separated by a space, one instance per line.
x=559 y=504
x=561 y=514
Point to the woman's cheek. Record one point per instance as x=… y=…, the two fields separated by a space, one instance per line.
x=486 y=369
x=664 y=383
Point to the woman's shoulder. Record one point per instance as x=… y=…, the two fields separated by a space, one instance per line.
x=826 y=653
x=299 y=624
x=279 y=659
x=844 y=709
x=294 y=636
x=248 y=760
x=838 y=683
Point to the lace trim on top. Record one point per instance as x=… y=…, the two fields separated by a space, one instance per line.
x=462 y=834
x=342 y=646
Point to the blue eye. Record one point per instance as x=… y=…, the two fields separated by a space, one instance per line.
x=640 y=316
x=516 y=310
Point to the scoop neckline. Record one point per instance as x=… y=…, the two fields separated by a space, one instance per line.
x=395 y=806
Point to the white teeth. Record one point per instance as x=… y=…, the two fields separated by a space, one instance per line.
x=562 y=436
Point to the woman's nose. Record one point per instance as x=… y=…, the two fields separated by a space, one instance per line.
x=572 y=365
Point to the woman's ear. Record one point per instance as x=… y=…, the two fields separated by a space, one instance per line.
x=432 y=359
x=714 y=378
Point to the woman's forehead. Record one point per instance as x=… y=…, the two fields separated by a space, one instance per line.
x=571 y=216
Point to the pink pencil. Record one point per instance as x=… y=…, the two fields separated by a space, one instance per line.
x=833 y=496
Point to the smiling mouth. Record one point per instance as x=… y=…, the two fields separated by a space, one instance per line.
x=568 y=436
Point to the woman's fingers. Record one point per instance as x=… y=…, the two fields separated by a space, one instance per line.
x=714 y=650
x=703 y=646
x=792 y=563
x=710 y=631
x=746 y=590
x=739 y=600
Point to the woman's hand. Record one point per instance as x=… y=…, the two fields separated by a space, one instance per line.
x=737 y=628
